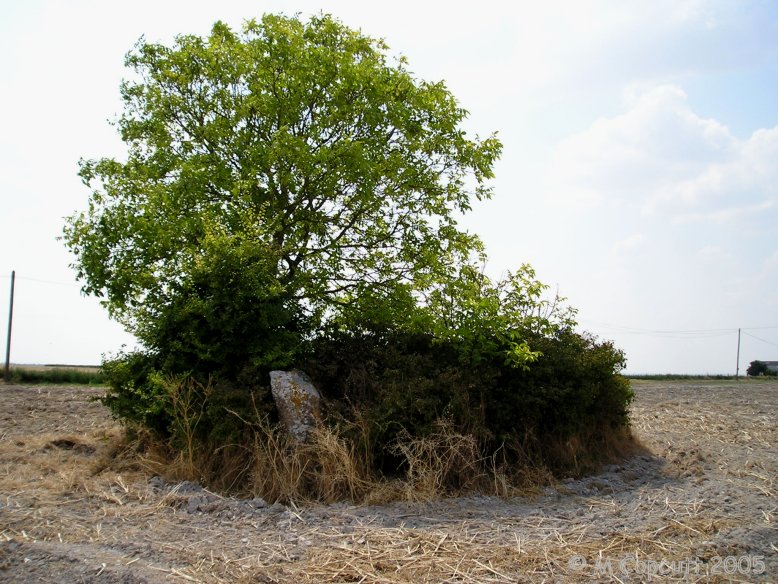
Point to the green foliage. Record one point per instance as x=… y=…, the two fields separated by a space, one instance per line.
x=136 y=392
x=299 y=150
x=575 y=386
x=227 y=312
x=145 y=395
x=289 y=198
x=403 y=384
x=396 y=382
x=757 y=368
x=482 y=317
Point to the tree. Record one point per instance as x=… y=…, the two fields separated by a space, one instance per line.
x=291 y=164
x=289 y=198
x=756 y=368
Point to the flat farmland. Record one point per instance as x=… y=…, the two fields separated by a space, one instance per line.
x=700 y=504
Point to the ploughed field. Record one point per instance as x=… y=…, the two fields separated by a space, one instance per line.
x=700 y=505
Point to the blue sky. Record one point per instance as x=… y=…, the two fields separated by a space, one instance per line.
x=639 y=175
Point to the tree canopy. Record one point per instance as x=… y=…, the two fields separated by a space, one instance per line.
x=324 y=169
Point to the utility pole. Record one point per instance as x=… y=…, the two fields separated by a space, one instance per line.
x=737 y=365
x=10 y=321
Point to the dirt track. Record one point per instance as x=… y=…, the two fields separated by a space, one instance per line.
x=703 y=507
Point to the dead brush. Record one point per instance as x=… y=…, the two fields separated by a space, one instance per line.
x=587 y=451
x=188 y=398
x=510 y=478
x=443 y=463
x=325 y=469
x=335 y=464
x=339 y=471
x=185 y=454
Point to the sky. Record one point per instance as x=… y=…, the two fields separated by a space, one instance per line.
x=639 y=175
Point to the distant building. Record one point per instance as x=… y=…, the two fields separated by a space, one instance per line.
x=772 y=365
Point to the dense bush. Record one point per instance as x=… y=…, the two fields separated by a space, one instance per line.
x=145 y=395
x=405 y=384
x=756 y=368
x=381 y=388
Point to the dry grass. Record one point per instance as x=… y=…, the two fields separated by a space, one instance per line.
x=78 y=505
x=470 y=553
x=445 y=462
x=325 y=469
x=329 y=467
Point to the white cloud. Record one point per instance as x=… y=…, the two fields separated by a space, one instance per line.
x=528 y=51
x=771 y=263
x=725 y=215
x=662 y=158
x=629 y=243
x=742 y=186
x=714 y=253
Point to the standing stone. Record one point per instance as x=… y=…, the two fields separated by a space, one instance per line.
x=298 y=402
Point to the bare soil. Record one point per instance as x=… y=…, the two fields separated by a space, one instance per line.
x=701 y=505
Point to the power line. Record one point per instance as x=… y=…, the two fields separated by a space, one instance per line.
x=677 y=334
x=760 y=339
x=680 y=333
x=629 y=330
x=42 y=281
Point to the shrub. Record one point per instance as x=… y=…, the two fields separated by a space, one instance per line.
x=136 y=393
x=516 y=382
x=398 y=405
x=757 y=368
x=403 y=385
x=143 y=395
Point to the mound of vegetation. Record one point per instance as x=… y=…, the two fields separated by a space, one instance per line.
x=289 y=199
